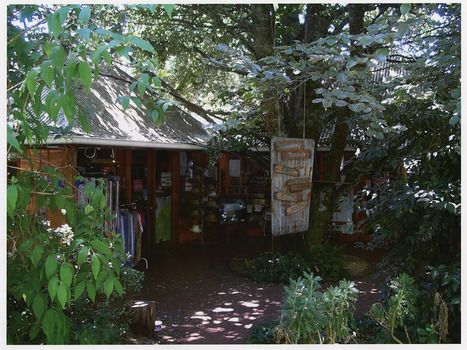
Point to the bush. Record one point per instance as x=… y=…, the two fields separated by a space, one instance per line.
x=312 y=317
x=263 y=333
x=328 y=260
x=277 y=268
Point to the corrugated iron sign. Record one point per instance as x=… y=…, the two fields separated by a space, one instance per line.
x=291 y=174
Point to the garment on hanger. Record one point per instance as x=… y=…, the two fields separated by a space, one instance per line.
x=130 y=229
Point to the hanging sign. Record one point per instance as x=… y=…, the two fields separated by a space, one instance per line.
x=281 y=169
x=291 y=174
x=296 y=207
x=287 y=197
x=300 y=187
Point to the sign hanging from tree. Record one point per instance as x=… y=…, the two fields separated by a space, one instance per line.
x=291 y=174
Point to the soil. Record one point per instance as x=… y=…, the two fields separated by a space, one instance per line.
x=200 y=299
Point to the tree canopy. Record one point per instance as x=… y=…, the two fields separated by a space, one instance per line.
x=382 y=79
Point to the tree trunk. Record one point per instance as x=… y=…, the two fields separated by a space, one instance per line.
x=325 y=198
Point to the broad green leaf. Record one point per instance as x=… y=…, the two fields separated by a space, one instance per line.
x=12 y=197
x=115 y=266
x=85 y=15
x=168 y=8
x=95 y=266
x=454 y=120
x=57 y=55
x=125 y=102
x=108 y=286
x=82 y=255
x=155 y=115
x=84 y=122
x=50 y=265
x=91 y=289
x=11 y=139
x=52 y=287
x=31 y=80
x=48 y=322
x=403 y=29
x=84 y=33
x=39 y=305
x=141 y=43
x=36 y=254
x=156 y=81
x=101 y=278
x=79 y=289
x=62 y=295
x=118 y=286
x=66 y=274
x=341 y=78
x=54 y=24
x=34 y=331
x=47 y=73
x=405 y=8
x=26 y=244
x=366 y=40
x=85 y=74
x=141 y=88
x=327 y=103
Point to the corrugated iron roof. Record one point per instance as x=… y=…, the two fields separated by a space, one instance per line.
x=109 y=121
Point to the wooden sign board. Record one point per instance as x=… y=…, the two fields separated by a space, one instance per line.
x=296 y=207
x=298 y=181
x=291 y=168
x=300 y=187
x=281 y=169
x=287 y=197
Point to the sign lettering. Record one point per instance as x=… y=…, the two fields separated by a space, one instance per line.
x=296 y=207
x=300 y=154
x=286 y=145
x=285 y=170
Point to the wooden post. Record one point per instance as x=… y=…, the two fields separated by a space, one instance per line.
x=143 y=317
x=176 y=186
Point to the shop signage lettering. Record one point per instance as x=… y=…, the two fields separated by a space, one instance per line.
x=282 y=169
x=300 y=154
x=300 y=187
x=301 y=180
x=286 y=197
x=287 y=145
x=296 y=208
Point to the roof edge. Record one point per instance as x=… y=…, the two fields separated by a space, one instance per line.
x=93 y=141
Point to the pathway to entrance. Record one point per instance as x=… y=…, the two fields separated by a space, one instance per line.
x=200 y=300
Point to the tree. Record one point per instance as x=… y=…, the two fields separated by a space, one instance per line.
x=53 y=273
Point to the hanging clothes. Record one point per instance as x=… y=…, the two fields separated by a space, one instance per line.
x=130 y=229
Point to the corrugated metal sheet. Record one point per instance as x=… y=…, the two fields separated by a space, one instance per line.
x=109 y=121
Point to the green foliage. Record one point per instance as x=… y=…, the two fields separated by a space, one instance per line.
x=312 y=317
x=263 y=333
x=277 y=268
x=56 y=276
x=328 y=260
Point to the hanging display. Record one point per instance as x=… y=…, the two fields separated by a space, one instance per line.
x=291 y=182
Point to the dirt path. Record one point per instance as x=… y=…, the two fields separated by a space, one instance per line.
x=200 y=300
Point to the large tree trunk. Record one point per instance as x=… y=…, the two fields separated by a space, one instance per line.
x=325 y=197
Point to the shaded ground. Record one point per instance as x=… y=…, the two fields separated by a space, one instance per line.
x=200 y=300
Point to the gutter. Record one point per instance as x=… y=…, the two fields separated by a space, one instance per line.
x=92 y=141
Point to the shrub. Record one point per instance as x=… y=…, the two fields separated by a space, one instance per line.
x=263 y=333
x=312 y=317
x=328 y=260
x=277 y=268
